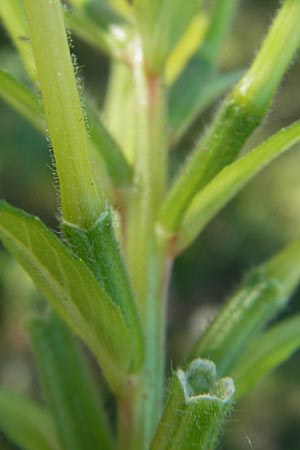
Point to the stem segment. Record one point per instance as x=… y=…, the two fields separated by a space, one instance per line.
x=80 y=198
x=145 y=261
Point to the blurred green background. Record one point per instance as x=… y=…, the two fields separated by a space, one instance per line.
x=255 y=225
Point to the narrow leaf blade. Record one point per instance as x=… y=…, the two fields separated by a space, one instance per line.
x=68 y=386
x=231 y=180
x=25 y=424
x=13 y=16
x=200 y=72
x=263 y=294
x=21 y=99
x=71 y=289
x=265 y=353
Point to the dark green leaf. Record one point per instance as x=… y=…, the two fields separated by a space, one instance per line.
x=72 y=290
x=68 y=386
x=25 y=424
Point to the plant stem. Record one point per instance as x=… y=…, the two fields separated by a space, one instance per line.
x=146 y=263
x=140 y=410
x=241 y=112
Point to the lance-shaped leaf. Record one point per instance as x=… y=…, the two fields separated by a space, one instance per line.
x=188 y=93
x=25 y=424
x=118 y=168
x=162 y=23
x=196 y=408
x=13 y=16
x=229 y=182
x=68 y=387
x=81 y=200
x=100 y=250
x=71 y=289
x=99 y=25
x=265 y=353
x=21 y=99
x=241 y=112
x=263 y=294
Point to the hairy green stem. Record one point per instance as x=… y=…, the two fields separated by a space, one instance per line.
x=239 y=115
x=80 y=198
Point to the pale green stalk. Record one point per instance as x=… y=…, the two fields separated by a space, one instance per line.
x=145 y=263
x=79 y=191
x=118 y=114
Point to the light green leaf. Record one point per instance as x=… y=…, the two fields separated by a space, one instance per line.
x=13 y=16
x=263 y=294
x=25 y=424
x=197 y=406
x=21 y=99
x=68 y=387
x=188 y=94
x=266 y=352
x=71 y=289
x=230 y=181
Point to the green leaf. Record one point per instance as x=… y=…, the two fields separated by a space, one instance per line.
x=197 y=406
x=241 y=112
x=100 y=250
x=230 y=181
x=25 y=424
x=81 y=200
x=263 y=294
x=119 y=169
x=265 y=353
x=162 y=23
x=13 y=16
x=71 y=289
x=188 y=94
x=21 y=99
x=68 y=387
